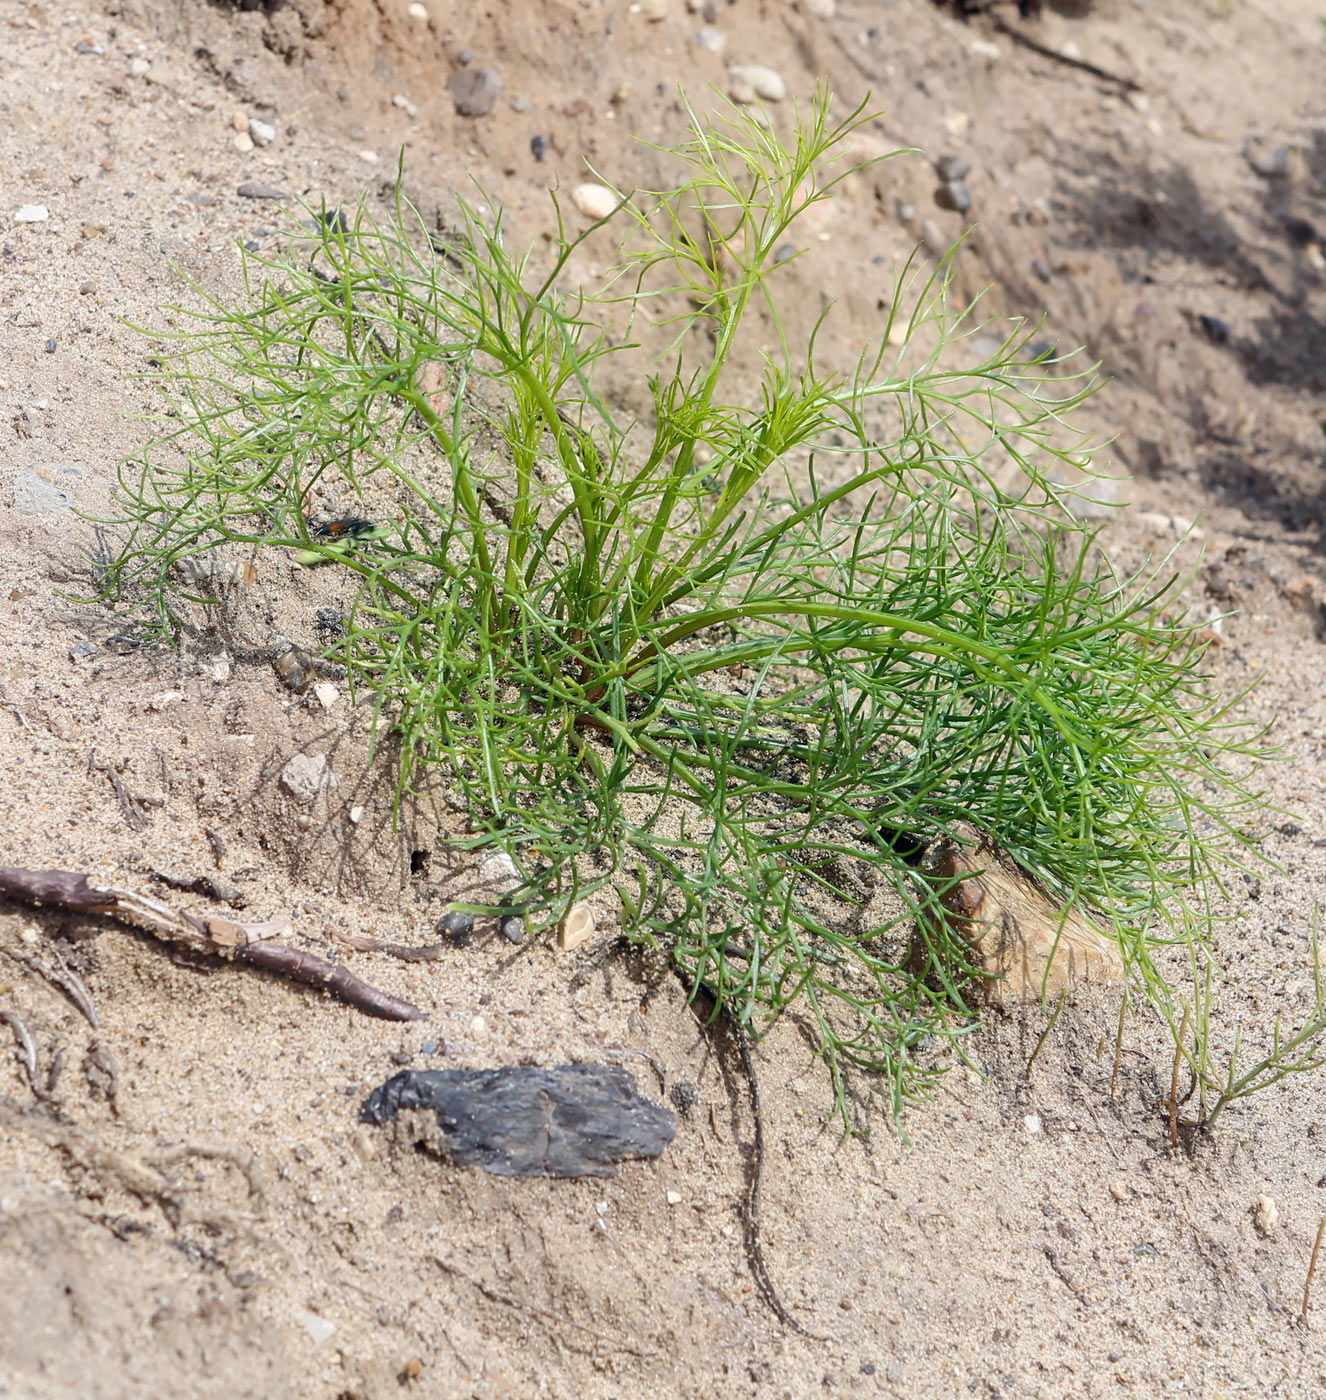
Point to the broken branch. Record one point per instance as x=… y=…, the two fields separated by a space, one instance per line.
x=209 y=934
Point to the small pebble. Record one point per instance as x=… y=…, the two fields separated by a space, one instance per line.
x=711 y=39
x=32 y=214
x=464 y=58
x=243 y=143
x=478 y=1026
x=429 y=1047
x=317 y=1327
x=521 y=105
x=1217 y=331
x=674 y=1198
x=538 y=147
x=1042 y=269
x=1270 y=165
x=138 y=67
x=1120 y=1191
x=261 y=133
x=240 y=121
x=418 y=12
x=50 y=347
x=409 y=108
x=513 y=928
x=1265 y=1215
x=577 y=928
x=251 y=190
x=684 y=1096
x=1032 y=1122
x=750 y=82
x=327 y=694
x=370 y=156
x=952 y=167
x=86 y=288
x=594 y=201
x=953 y=195
x=356 y=815
x=475 y=91
x=457 y=927
x=295 y=670
x=80 y=651
x=305 y=775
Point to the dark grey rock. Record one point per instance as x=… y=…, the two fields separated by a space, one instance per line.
x=1217 y=331
x=954 y=195
x=571 y=1120
x=952 y=167
x=457 y=927
x=475 y=90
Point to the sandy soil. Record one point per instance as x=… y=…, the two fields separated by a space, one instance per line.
x=223 y=1225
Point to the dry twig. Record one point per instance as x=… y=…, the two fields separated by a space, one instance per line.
x=208 y=934
x=135 y=818
x=1312 y=1269
x=64 y=977
x=27 y=1051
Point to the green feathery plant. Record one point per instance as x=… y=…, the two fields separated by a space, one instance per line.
x=712 y=657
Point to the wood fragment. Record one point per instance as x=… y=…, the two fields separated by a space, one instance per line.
x=135 y=818
x=1083 y=65
x=205 y=885
x=406 y=952
x=1312 y=1270
x=27 y=1051
x=206 y=934
x=64 y=977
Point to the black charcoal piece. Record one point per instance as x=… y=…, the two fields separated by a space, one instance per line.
x=571 y=1120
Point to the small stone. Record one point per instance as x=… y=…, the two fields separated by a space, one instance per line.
x=163 y=699
x=370 y=156
x=317 y=1327
x=261 y=133
x=418 y=12
x=475 y=91
x=1042 y=269
x=674 y=1198
x=498 y=872
x=956 y=124
x=139 y=67
x=538 y=147
x=1217 y=331
x=35 y=496
x=50 y=347
x=409 y=108
x=1270 y=165
x=512 y=928
x=820 y=9
x=751 y=82
x=32 y=214
x=952 y=167
x=953 y=195
x=86 y=289
x=80 y=651
x=457 y=927
x=251 y=190
x=594 y=201
x=521 y=105
x=1120 y=1191
x=327 y=694
x=243 y=143
x=294 y=668
x=305 y=776
x=711 y=39
x=1265 y=1216
x=1032 y=1122
x=240 y=121
x=356 y=815
x=577 y=928
x=983 y=48
x=652 y=10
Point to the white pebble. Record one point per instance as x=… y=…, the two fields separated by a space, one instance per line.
x=594 y=201
x=319 y=1328
x=674 y=1198
x=261 y=133
x=478 y=1026
x=356 y=815
x=418 y=12
x=327 y=694
x=243 y=143
x=370 y=156
x=1032 y=1122
x=577 y=928
x=409 y=108
x=32 y=214
x=821 y=9
x=749 y=81
x=1265 y=1215
x=138 y=67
